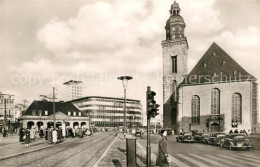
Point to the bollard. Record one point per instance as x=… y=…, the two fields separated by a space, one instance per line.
x=131 y=152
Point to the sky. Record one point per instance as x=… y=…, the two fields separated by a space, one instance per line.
x=46 y=43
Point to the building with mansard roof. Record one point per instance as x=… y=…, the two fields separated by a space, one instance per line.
x=217 y=95
x=41 y=113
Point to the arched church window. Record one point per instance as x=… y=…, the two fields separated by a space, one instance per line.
x=237 y=107
x=195 y=109
x=215 y=101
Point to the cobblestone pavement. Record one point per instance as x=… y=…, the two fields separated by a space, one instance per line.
x=71 y=153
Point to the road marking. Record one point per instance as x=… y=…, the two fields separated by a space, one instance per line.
x=96 y=164
x=247 y=158
x=153 y=156
x=215 y=163
x=177 y=162
x=222 y=160
x=238 y=160
x=192 y=160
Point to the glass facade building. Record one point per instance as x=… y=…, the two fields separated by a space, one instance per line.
x=109 y=112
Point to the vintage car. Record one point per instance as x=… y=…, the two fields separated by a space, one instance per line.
x=204 y=138
x=236 y=141
x=216 y=137
x=185 y=137
x=138 y=133
x=198 y=136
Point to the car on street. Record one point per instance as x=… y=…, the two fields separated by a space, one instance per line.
x=216 y=137
x=198 y=137
x=138 y=133
x=185 y=137
x=236 y=141
x=204 y=138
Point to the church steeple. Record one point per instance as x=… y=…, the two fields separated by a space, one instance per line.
x=175 y=25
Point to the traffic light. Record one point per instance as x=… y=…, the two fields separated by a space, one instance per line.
x=152 y=107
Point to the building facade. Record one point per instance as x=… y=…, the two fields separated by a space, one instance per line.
x=71 y=90
x=41 y=113
x=7 y=107
x=109 y=112
x=215 y=94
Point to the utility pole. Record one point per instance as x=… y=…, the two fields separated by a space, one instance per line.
x=5 y=117
x=54 y=123
x=148 y=147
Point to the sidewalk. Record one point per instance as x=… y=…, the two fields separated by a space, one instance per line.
x=116 y=154
x=11 y=146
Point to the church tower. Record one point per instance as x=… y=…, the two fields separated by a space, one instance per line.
x=175 y=65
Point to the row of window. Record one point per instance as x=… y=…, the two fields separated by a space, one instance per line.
x=10 y=116
x=7 y=101
x=104 y=106
x=93 y=112
x=215 y=106
x=46 y=113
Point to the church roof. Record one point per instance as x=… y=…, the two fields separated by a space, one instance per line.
x=63 y=107
x=216 y=66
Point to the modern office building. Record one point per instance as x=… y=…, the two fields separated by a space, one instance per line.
x=109 y=112
x=6 y=104
x=70 y=90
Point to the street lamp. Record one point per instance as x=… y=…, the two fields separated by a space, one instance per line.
x=125 y=81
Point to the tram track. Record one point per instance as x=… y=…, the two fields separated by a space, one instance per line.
x=54 y=153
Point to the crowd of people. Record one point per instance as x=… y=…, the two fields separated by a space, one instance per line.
x=241 y=131
x=51 y=135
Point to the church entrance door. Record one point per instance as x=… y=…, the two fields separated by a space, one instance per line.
x=214 y=127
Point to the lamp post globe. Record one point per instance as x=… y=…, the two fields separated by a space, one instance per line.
x=124 y=80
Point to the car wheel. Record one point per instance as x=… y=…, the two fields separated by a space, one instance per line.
x=230 y=147
x=248 y=148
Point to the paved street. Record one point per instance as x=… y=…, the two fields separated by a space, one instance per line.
x=75 y=152
x=196 y=154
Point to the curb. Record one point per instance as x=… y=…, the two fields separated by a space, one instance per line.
x=105 y=152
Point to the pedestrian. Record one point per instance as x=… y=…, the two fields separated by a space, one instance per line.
x=27 y=137
x=54 y=136
x=41 y=133
x=21 y=135
x=244 y=131
x=46 y=134
x=162 y=158
x=230 y=131
x=236 y=131
x=32 y=134
x=50 y=135
x=5 y=133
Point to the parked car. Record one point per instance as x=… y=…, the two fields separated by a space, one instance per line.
x=138 y=133
x=198 y=136
x=204 y=138
x=216 y=137
x=185 y=137
x=236 y=141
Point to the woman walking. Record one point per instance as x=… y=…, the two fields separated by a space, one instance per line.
x=21 y=134
x=162 y=158
x=54 y=136
x=27 y=137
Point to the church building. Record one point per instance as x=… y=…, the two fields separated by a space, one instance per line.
x=217 y=95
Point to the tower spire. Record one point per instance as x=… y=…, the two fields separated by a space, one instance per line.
x=175 y=25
